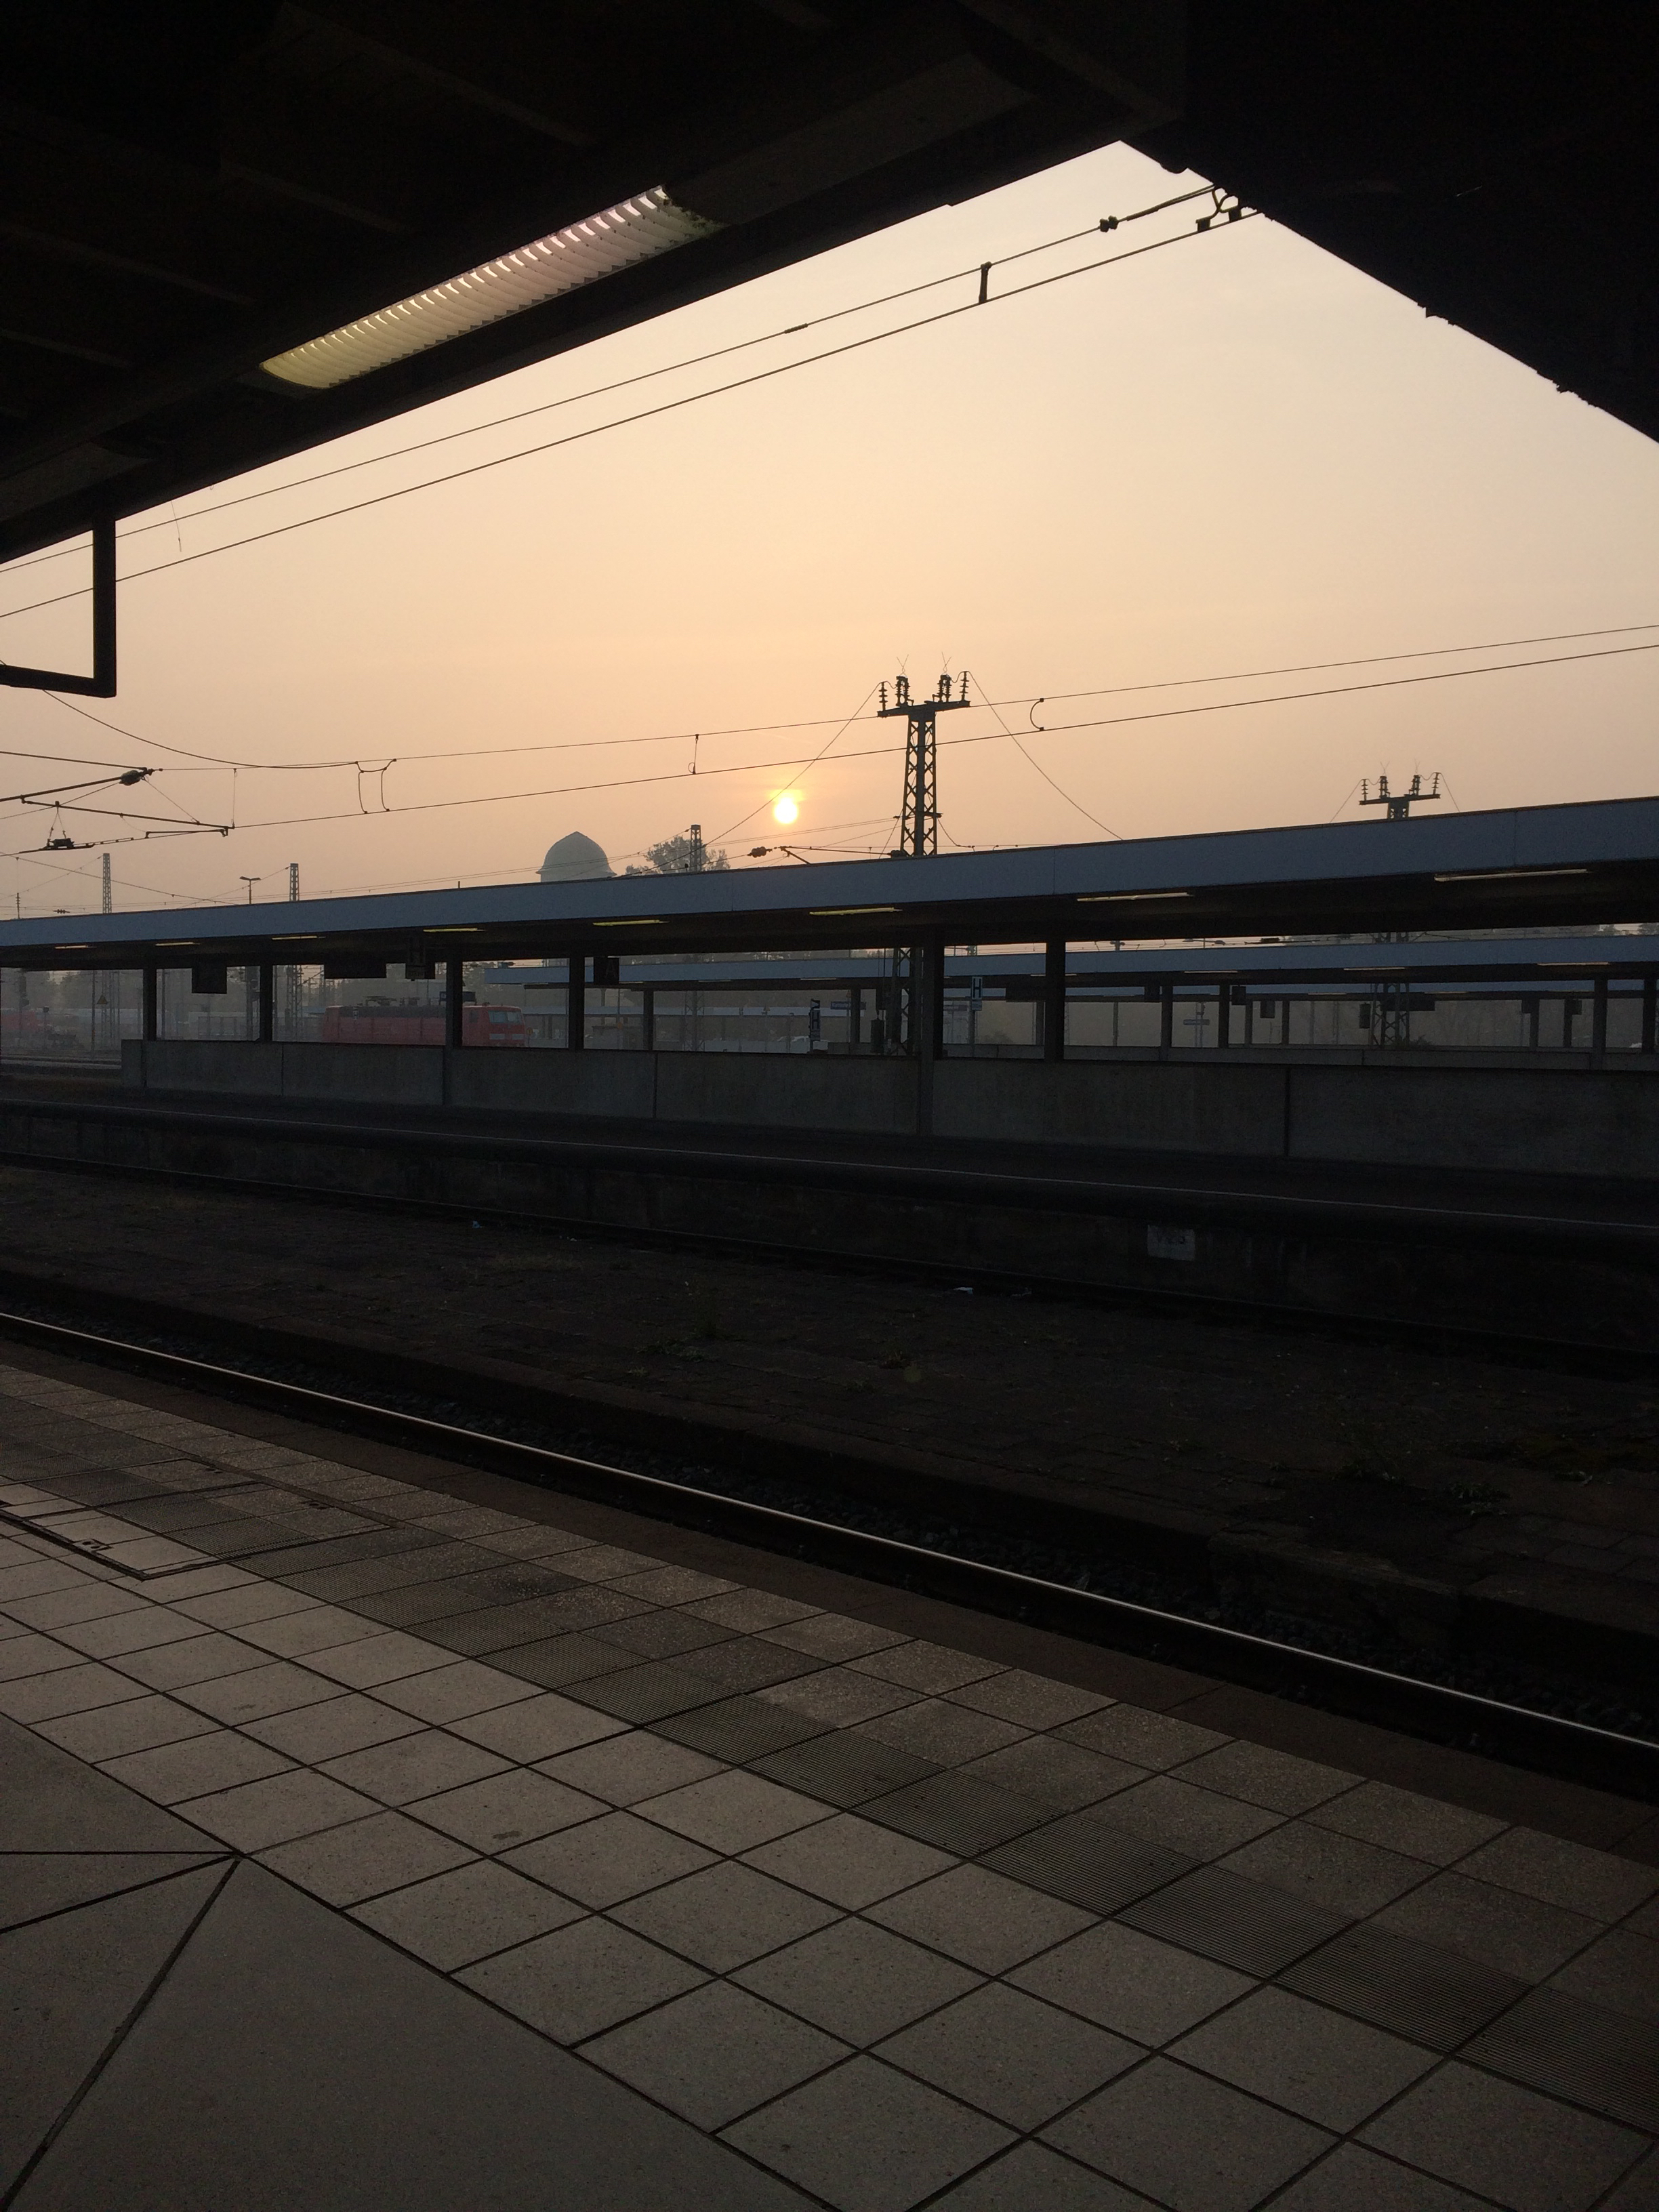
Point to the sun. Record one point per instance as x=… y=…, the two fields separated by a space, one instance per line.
x=786 y=810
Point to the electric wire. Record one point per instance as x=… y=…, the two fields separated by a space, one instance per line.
x=801 y=776
x=622 y=421
x=1363 y=660
x=817 y=722
x=1338 y=690
x=1050 y=780
x=172 y=519
x=801 y=766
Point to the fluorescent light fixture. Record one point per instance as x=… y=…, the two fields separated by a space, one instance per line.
x=296 y=937
x=634 y=230
x=171 y=941
x=1576 y=967
x=633 y=921
x=821 y=912
x=1507 y=875
x=456 y=929
x=1114 y=898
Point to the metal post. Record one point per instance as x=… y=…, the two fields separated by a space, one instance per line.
x=1053 y=999
x=895 y=1037
x=933 y=1030
x=1599 y=1020
x=267 y=1002
x=1529 y=1016
x=103 y=611
x=855 y=1016
x=926 y=1021
x=152 y=1005
x=648 y=1016
x=454 y=1001
x=1166 y=1016
x=1224 y=1015
x=1650 y=1006
x=575 y=1020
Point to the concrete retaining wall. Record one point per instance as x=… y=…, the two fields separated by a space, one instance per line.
x=1547 y=1120
x=1148 y=1105
x=1559 y=1282
x=603 y=1084
x=1601 y=1122
x=775 y=1091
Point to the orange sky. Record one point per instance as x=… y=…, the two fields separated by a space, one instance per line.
x=1232 y=455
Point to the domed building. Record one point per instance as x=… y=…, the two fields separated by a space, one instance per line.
x=574 y=859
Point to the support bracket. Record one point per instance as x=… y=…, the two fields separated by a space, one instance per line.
x=100 y=684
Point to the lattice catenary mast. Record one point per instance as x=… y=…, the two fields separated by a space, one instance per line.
x=1391 y=1020
x=1399 y=802
x=919 y=817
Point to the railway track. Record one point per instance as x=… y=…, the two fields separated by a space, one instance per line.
x=1526 y=1235
x=1511 y=1731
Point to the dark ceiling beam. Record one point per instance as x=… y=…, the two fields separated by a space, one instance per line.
x=244 y=425
x=816 y=211
x=95 y=314
x=524 y=66
x=297 y=143
x=76 y=196
x=31 y=379
x=57 y=201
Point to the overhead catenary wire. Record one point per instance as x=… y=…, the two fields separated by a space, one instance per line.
x=1050 y=780
x=799 y=763
x=801 y=774
x=172 y=519
x=822 y=721
x=1338 y=690
x=621 y=422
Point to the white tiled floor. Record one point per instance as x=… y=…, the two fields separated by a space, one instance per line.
x=954 y=1947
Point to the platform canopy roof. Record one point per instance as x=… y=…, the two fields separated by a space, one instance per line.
x=1514 y=868
x=226 y=222
x=1345 y=966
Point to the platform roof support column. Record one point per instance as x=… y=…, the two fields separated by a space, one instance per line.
x=1053 y=999
x=1224 y=1014
x=575 y=1020
x=267 y=990
x=454 y=1001
x=926 y=1020
x=1166 y=1016
x=152 y=1004
x=1599 y=1020
x=1649 y=1008
x=648 y=1016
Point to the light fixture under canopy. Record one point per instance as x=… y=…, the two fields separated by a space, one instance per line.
x=634 y=230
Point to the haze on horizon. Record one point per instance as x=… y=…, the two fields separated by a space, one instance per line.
x=1237 y=454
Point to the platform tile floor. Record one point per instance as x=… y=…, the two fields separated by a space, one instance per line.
x=361 y=1849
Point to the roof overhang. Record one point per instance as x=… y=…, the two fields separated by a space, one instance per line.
x=194 y=189
x=1514 y=868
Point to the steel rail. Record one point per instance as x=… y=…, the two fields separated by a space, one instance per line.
x=1200 y=1205
x=1516 y=1733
